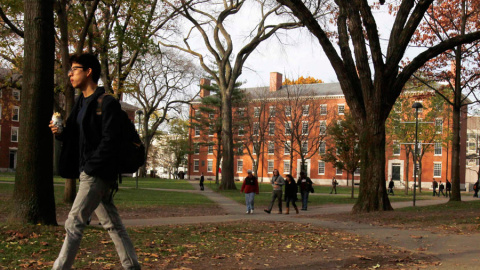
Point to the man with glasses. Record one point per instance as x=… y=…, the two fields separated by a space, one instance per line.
x=90 y=149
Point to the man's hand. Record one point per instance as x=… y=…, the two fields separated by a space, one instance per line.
x=54 y=128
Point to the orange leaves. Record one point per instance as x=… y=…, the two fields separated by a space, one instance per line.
x=302 y=80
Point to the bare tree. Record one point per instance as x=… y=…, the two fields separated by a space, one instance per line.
x=371 y=79
x=161 y=84
x=210 y=20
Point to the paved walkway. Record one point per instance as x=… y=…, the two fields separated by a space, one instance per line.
x=455 y=251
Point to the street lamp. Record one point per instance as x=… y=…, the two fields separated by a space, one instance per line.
x=139 y=113
x=416 y=106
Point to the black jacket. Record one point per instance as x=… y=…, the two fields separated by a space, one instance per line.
x=304 y=184
x=291 y=190
x=101 y=143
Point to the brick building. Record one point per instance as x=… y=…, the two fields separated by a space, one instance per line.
x=319 y=105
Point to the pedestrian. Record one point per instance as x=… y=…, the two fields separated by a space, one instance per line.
x=334 y=185
x=305 y=184
x=448 y=189
x=391 y=185
x=434 y=185
x=90 y=151
x=291 y=190
x=250 y=188
x=202 y=178
x=475 y=189
x=440 y=189
x=277 y=183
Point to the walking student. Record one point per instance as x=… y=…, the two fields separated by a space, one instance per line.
x=202 y=179
x=305 y=185
x=448 y=190
x=434 y=186
x=440 y=189
x=391 y=185
x=90 y=151
x=250 y=188
x=334 y=185
x=277 y=183
x=475 y=189
x=291 y=190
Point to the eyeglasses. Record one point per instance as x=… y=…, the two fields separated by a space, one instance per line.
x=74 y=68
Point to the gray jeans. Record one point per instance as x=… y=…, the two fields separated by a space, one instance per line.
x=276 y=194
x=94 y=196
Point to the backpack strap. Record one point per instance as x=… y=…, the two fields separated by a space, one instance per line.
x=99 y=103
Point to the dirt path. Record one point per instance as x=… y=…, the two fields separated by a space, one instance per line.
x=454 y=251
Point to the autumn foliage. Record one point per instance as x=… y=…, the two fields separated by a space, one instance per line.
x=302 y=80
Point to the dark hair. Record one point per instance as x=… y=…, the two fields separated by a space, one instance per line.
x=88 y=60
x=290 y=176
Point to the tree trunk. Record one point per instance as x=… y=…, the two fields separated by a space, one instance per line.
x=219 y=153
x=353 y=185
x=407 y=158
x=228 y=182
x=455 y=174
x=33 y=192
x=372 y=194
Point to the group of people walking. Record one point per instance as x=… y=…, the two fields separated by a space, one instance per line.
x=441 y=188
x=292 y=187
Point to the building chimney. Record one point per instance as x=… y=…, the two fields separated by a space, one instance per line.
x=204 y=92
x=275 y=81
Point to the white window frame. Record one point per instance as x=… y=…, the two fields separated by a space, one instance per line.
x=341 y=109
x=288 y=111
x=323 y=125
x=337 y=171
x=324 y=144
x=286 y=166
x=239 y=165
x=210 y=149
x=196 y=149
x=305 y=110
x=272 y=111
x=271 y=148
x=256 y=129
x=305 y=130
x=197 y=131
x=396 y=144
x=321 y=167
x=196 y=165
x=256 y=111
x=209 y=165
x=323 y=109
x=16 y=94
x=241 y=131
x=241 y=112
x=439 y=125
x=270 y=166
x=17 y=114
x=437 y=170
x=304 y=147
x=287 y=148
x=438 y=149
x=14 y=131
x=271 y=128
x=288 y=128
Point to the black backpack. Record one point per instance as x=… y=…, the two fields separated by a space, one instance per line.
x=132 y=150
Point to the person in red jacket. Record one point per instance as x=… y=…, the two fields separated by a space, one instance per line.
x=250 y=188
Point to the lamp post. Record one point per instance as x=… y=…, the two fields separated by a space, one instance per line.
x=139 y=113
x=416 y=106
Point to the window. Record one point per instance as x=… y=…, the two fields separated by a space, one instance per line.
x=16 y=95
x=197 y=113
x=287 y=148
x=437 y=169
x=256 y=112
x=197 y=131
x=305 y=147
x=210 y=149
x=270 y=166
x=210 y=131
x=288 y=111
x=14 y=137
x=271 y=129
x=241 y=131
x=271 y=148
x=196 y=149
x=417 y=171
x=196 y=165
x=341 y=109
x=255 y=147
x=339 y=171
x=321 y=167
x=256 y=128
x=305 y=109
x=438 y=149
x=305 y=128
x=323 y=127
x=272 y=111
x=15 y=113
x=396 y=148
x=322 y=149
x=357 y=171
x=239 y=166
x=241 y=112
x=286 y=166
x=211 y=115
x=439 y=125
x=288 y=128
x=209 y=165
x=323 y=109
x=240 y=150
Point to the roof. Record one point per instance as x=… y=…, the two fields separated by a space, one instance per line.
x=331 y=90
x=128 y=107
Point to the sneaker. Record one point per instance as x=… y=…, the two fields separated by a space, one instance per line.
x=251 y=211
x=248 y=212
x=266 y=211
